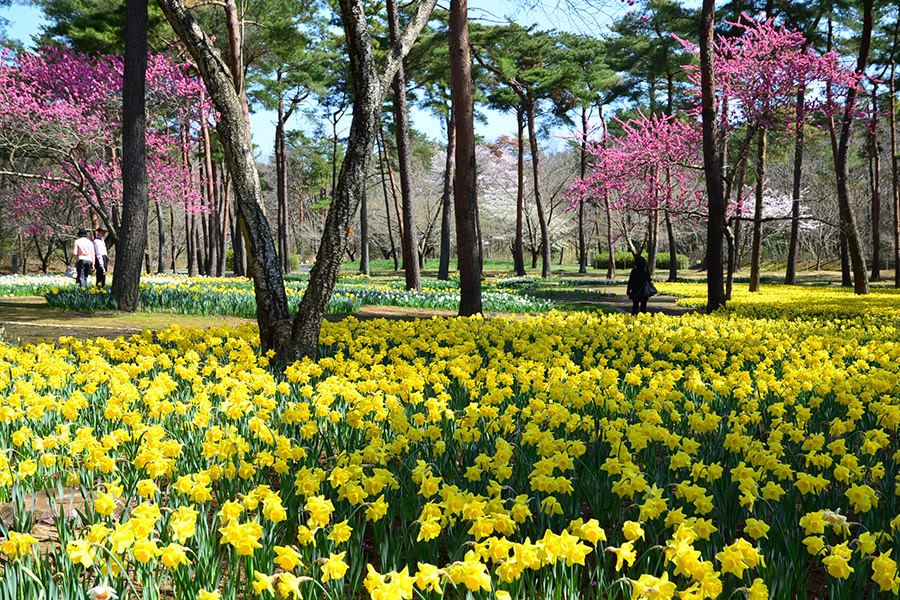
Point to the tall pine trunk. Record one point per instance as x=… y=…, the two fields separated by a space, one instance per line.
x=876 y=191
x=132 y=234
x=712 y=163
x=446 y=199
x=895 y=185
x=582 y=248
x=518 y=248
x=404 y=161
x=538 y=201
x=465 y=193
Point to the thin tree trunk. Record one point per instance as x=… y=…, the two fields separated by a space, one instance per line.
x=876 y=191
x=132 y=235
x=673 y=255
x=161 y=239
x=387 y=207
x=364 y=234
x=895 y=185
x=734 y=256
x=582 y=248
x=712 y=163
x=536 y=174
x=465 y=194
x=846 y=275
x=790 y=276
x=653 y=240
x=518 y=249
x=446 y=199
x=394 y=194
x=755 y=255
x=224 y=221
x=172 y=237
x=409 y=242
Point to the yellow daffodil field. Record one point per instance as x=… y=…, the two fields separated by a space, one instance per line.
x=555 y=456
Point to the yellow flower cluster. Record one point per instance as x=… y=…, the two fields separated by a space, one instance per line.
x=661 y=457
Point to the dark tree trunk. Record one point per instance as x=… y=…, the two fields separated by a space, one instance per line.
x=387 y=209
x=224 y=221
x=396 y=197
x=582 y=248
x=132 y=234
x=364 y=234
x=895 y=185
x=790 y=276
x=410 y=243
x=876 y=192
x=446 y=199
x=755 y=255
x=281 y=185
x=729 y=278
x=465 y=193
x=712 y=163
x=673 y=254
x=848 y=221
x=518 y=250
x=846 y=275
x=161 y=239
x=652 y=241
x=536 y=175
x=172 y=251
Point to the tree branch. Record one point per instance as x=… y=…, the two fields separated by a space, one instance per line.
x=405 y=42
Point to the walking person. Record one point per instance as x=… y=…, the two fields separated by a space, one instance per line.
x=84 y=257
x=640 y=286
x=101 y=258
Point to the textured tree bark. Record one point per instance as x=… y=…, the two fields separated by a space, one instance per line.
x=790 y=276
x=224 y=221
x=582 y=249
x=465 y=193
x=848 y=221
x=538 y=201
x=132 y=240
x=446 y=199
x=271 y=300
x=846 y=274
x=876 y=193
x=518 y=250
x=755 y=254
x=404 y=161
x=172 y=252
x=895 y=185
x=369 y=89
x=300 y=338
x=712 y=163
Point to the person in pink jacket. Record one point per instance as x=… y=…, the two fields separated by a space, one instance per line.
x=84 y=257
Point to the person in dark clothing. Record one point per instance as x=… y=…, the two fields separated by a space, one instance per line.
x=637 y=285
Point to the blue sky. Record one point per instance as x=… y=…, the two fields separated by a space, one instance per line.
x=25 y=21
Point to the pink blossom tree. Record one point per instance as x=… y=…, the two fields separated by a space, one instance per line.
x=652 y=168
x=60 y=121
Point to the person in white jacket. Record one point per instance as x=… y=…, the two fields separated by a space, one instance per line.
x=101 y=258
